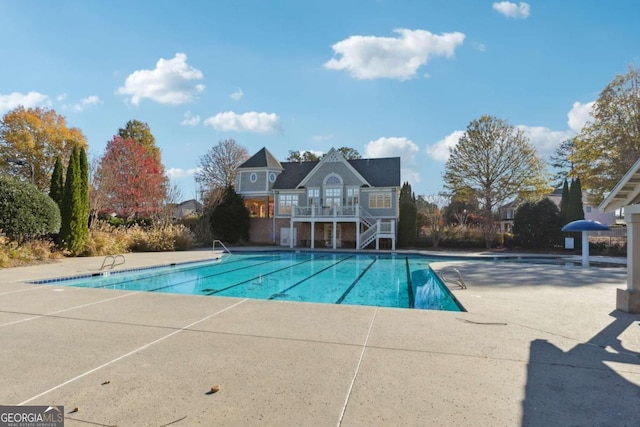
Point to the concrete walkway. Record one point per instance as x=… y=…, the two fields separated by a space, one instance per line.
x=540 y=345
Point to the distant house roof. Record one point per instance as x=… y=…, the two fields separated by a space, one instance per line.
x=383 y=172
x=262 y=159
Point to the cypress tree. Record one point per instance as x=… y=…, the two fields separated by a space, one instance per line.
x=564 y=203
x=56 y=188
x=74 y=230
x=407 y=221
x=84 y=175
x=574 y=209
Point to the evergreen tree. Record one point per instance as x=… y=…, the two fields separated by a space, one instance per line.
x=564 y=202
x=84 y=176
x=407 y=228
x=56 y=188
x=574 y=208
x=230 y=219
x=74 y=229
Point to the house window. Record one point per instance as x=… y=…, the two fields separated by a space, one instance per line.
x=313 y=195
x=380 y=200
x=332 y=197
x=353 y=196
x=272 y=177
x=588 y=209
x=253 y=177
x=286 y=202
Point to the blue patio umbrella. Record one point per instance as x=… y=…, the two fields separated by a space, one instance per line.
x=585 y=226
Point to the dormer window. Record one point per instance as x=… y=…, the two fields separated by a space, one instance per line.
x=253 y=177
x=272 y=177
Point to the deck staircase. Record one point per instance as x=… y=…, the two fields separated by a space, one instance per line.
x=375 y=228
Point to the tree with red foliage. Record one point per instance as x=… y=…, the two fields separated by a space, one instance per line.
x=132 y=178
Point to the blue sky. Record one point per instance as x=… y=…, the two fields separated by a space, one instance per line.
x=388 y=78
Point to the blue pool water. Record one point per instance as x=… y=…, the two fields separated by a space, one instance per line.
x=336 y=278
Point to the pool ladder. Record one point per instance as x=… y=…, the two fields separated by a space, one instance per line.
x=221 y=244
x=115 y=261
x=446 y=273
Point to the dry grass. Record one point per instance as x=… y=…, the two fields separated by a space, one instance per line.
x=13 y=254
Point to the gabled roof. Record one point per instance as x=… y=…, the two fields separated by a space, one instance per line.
x=331 y=156
x=262 y=159
x=293 y=174
x=626 y=192
x=383 y=172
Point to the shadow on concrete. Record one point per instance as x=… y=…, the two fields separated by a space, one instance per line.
x=585 y=386
x=506 y=275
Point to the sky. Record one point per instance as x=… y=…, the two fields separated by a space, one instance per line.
x=388 y=78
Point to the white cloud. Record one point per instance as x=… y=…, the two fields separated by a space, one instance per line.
x=190 y=120
x=84 y=102
x=579 y=115
x=28 y=100
x=545 y=140
x=176 y=173
x=512 y=10
x=61 y=97
x=440 y=150
x=397 y=147
x=237 y=95
x=171 y=82
x=370 y=57
x=246 y=122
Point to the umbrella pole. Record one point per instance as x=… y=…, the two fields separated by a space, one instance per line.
x=585 y=249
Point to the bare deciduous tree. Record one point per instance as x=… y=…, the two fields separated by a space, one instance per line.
x=217 y=168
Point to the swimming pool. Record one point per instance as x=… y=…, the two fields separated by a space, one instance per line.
x=388 y=280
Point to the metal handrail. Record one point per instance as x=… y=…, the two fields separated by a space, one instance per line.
x=221 y=244
x=455 y=280
x=114 y=261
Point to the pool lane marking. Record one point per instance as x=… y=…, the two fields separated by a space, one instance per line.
x=184 y=328
x=355 y=374
x=66 y=309
x=207 y=277
x=172 y=271
x=274 y=296
x=265 y=274
x=355 y=282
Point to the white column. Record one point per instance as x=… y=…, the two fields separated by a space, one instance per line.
x=358 y=233
x=313 y=234
x=633 y=251
x=290 y=233
x=393 y=231
x=334 y=229
x=377 y=232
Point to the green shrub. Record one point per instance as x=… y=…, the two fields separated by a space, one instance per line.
x=230 y=220
x=537 y=225
x=26 y=211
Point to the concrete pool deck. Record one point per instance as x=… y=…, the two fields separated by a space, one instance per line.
x=540 y=345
